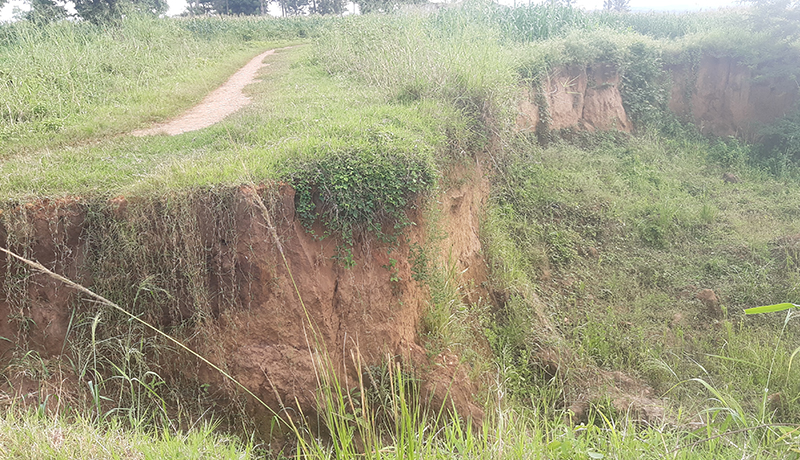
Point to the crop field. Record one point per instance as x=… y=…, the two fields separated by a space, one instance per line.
x=607 y=321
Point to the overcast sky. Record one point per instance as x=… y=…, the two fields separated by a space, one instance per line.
x=651 y=5
x=177 y=6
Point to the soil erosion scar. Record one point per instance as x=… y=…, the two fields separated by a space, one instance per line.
x=217 y=105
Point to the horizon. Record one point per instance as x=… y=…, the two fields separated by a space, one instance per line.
x=176 y=7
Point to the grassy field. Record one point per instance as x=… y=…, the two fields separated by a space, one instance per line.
x=66 y=83
x=614 y=234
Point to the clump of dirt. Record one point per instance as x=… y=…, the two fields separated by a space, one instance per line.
x=711 y=302
x=731 y=178
x=586 y=385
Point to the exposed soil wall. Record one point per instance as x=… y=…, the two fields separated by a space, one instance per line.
x=208 y=268
x=582 y=97
x=724 y=97
x=720 y=95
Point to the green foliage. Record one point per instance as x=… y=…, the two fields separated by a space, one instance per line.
x=548 y=20
x=770 y=308
x=536 y=22
x=106 y=11
x=601 y=339
x=46 y=11
x=561 y=246
x=661 y=25
x=292 y=7
x=644 y=89
x=240 y=7
x=780 y=19
x=251 y=29
x=614 y=233
x=444 y=58
x=354 y=192
x=658 y=217
x=620 y=6
x=730 y=153
x=420 y=263
x=385 y=6
x=33 y=434
x=327 y=7
x=780 y=140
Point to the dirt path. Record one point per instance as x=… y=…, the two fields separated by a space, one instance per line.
x=217 y=105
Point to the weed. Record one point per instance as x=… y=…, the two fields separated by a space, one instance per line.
x=420 y=263
x=362 y=191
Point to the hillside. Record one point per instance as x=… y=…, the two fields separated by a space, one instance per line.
x=473 y=232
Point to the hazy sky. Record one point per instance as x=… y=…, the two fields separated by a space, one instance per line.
x=177 y=6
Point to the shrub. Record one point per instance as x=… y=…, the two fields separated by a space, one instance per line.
x=360 y=190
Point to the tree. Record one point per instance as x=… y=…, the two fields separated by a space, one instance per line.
x=620 y=6
x=98 y=11
x=238 y=7
x=103 y=11
x=292 y=7
x=327 y=6
x=46 y=11
x=779 y=18
x=200 y=7
x=384 y=6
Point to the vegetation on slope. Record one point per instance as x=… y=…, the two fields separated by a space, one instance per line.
x=614 y=233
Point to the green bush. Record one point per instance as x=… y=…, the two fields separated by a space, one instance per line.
x=360 y=190
x=781 y=139
x=644 y=89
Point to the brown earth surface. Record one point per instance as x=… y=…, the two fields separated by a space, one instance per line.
x=260 y=330
x=725 y=97
x=583 y=97
x=719 y=95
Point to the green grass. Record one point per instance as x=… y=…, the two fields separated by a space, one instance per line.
x=66 y=82
x=664 y=225
x=614 y=233
x=298 y=113
x=28 y=434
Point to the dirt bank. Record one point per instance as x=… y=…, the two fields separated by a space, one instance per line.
x=719 y=95
x=208 y=268
x=582 y=97
x=724 y=97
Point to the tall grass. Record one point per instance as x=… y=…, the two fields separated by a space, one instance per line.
x=664 y=25
x=411 y=59
x=68 y=80
x=522 y=24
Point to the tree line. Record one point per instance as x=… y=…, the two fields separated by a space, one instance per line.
x=105 y=11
